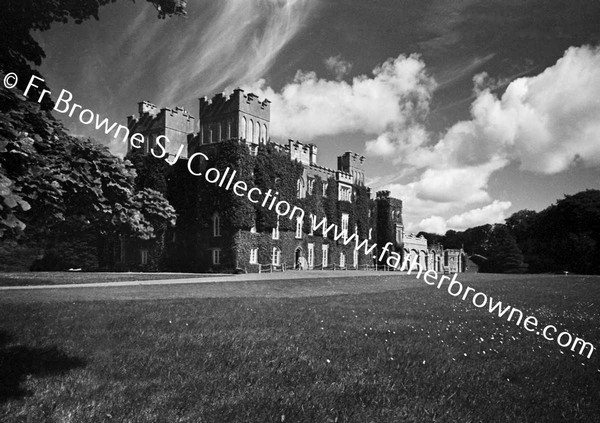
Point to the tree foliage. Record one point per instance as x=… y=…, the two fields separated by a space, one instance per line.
x=49 y=177
x=50 y=181
x=502 y=252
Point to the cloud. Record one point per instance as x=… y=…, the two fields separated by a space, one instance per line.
x=491 y=213
x=237 y=46
x=444 y=191
x=393 y=98
x=338 y=67
x=546 y=123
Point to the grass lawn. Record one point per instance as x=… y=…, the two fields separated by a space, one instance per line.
x=59 y=278
x=410 y=353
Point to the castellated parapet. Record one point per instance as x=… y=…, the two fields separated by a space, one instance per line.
x=352 y=163
x=304 y=153
x=174 y=123
x=241 y=116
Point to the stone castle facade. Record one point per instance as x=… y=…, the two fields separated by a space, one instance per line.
x=212 y=246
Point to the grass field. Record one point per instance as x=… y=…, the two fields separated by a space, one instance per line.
x=374 y=349
x=59 y=278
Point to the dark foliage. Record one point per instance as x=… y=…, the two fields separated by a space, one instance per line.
x=502 y=252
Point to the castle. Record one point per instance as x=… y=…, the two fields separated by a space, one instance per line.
x=216 y=233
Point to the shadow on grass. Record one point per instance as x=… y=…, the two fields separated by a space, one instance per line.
x=19 y=361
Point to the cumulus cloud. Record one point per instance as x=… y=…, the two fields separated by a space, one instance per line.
x=437 y=192
x=491 y=213
x=338 y=66
x=395 y=96
x=546 y=123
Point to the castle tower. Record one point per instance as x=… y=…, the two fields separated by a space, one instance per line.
x=389 y=217
x=238 y=116
x=352 y=163
x=175 y=124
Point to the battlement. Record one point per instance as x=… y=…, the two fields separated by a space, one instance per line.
x=237 y=101
x=344 y=177
x=148 y=111
x=351 y=163
x=174 y=123
x=235 y=116
x=145 y=107
x=304 y=153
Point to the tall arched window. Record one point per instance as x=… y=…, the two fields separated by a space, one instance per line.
x=228 y=129
x=256 y=132
x=250 y=131
x=261 y=135
x=265 y=135
x=242 y=133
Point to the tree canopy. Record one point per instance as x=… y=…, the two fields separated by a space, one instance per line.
x=47 y=177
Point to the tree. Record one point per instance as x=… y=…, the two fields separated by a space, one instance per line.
x=40 y=165
x=502 y=252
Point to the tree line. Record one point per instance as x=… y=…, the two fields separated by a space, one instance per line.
x=564 y=237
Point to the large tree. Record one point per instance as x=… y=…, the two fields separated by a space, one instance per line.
x=49 y=180
x=502 y=252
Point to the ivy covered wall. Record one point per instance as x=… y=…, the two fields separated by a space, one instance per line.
x=189 y=246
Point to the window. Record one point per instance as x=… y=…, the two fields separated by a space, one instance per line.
x=342 y=259
x=345 y=218
x=311 y=255
x=265 y=135
x=250 y=130
x=216 y=225
x=299 y=224
x=299 y=186
x=253 y=255
x=276 y=257
x=355 y=258
x=151 y=143
x=311 y=186
x=344 y=193
x=144 y=256
x=324 y=189
x=325 y=257
x=370 y=233
x=275 y=234
x=242 y=133
x=256 y=132
x=216 y=256
x=313 y=222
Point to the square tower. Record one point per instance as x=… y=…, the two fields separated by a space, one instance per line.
x=238 y=116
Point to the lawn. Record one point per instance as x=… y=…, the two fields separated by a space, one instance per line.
x=406 y=353
x=59 y=278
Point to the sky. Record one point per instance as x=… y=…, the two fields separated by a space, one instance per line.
x=466 y=110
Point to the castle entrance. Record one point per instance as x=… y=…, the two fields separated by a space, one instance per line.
x=299 y=260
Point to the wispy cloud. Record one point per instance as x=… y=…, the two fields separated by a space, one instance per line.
x=237 y=45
